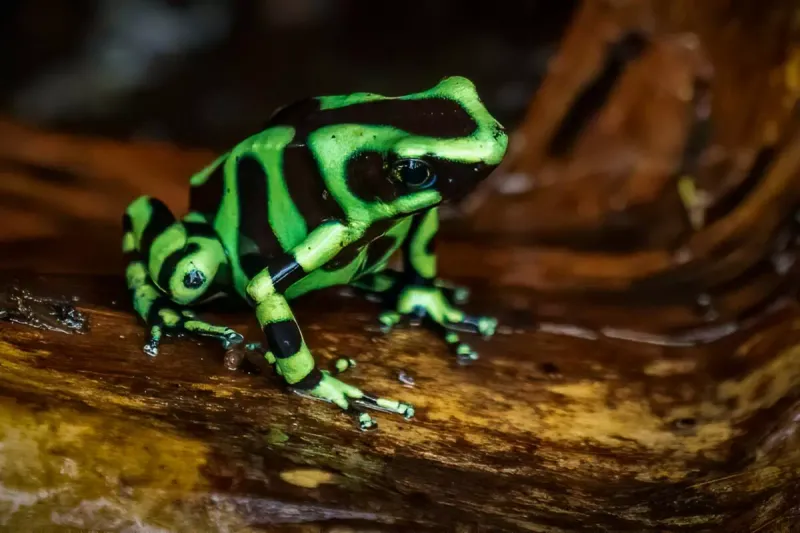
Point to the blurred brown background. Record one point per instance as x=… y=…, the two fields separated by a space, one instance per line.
x=207 y=73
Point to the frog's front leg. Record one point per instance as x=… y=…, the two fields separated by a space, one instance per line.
x=171 y=264
x=287 y=348
x=418 y=294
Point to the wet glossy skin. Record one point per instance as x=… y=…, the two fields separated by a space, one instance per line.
x=323 y=196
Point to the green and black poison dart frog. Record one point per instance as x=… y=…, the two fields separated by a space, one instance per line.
x=322 y=196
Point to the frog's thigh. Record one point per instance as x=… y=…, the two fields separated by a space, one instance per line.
x=146 y=221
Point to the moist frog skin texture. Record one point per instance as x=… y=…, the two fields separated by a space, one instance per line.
x=323 y=196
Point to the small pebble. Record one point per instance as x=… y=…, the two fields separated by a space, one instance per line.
x=405 y=378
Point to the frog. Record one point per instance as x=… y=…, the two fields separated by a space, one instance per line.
x=324 y=195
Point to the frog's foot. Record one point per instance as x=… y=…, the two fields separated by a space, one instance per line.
x=174 y=321
x=382 y=286
x=421 y=303
x=352 y=400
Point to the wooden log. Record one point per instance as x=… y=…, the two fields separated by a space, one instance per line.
x=549 y=431
x=643 y=102
x=556 y=428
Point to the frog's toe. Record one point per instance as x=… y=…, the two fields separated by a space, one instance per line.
x=364 y=420
x=483 y=325
x=227 y=336
x=388 y=406
x=343 y=364
x=388 y=320
x=463 y=351
x=153 y=341
x=351 y=399
x=176 y=321
x=454 y=293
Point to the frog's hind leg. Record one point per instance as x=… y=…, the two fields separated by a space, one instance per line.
x=171 y=264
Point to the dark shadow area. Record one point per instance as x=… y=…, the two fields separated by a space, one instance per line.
x=208 y=73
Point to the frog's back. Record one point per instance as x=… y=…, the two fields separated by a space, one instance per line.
x=327 y=158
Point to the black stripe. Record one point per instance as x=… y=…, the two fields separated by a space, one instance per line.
x=160 y=219
x=377 y=251
x=430 y=246
x=595 y=94
x=251 y=184
x=284 y=338
x=199 y=229
x=127 y=224
x=367 y=179
x=307 y=187
x=285 y=271
x=427 y=117
x=206 y=197
x=349 y=252
x=170 y=264
x=311 y=380
x=252 y=264
x=161 y=302
x=455 y=179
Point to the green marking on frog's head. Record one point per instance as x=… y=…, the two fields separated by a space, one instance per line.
x=387 y=156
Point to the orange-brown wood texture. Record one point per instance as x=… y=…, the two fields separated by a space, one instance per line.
x=638 y=246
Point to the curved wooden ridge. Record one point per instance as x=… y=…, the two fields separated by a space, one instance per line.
x=657 y=161
x=645 y=377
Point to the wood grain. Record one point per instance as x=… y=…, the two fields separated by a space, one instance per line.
x=548 y=431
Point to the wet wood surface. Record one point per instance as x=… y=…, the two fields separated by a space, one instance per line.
x=556 y=428
x=646 y=376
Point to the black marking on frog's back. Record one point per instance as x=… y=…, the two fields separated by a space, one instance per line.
x=428 y=117
x=251 y=185
x=160 y=219
x=199 y=229
x=205 y=198
x=307 y=188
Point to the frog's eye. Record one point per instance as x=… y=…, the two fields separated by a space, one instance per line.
x=194 y=279
x=415 y=173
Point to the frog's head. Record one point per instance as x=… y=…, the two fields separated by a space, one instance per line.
x=453 y=144
x=384 y=156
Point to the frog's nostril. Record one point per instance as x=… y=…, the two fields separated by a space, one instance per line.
x=193 y=279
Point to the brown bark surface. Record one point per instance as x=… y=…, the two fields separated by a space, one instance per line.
x=646 y=376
